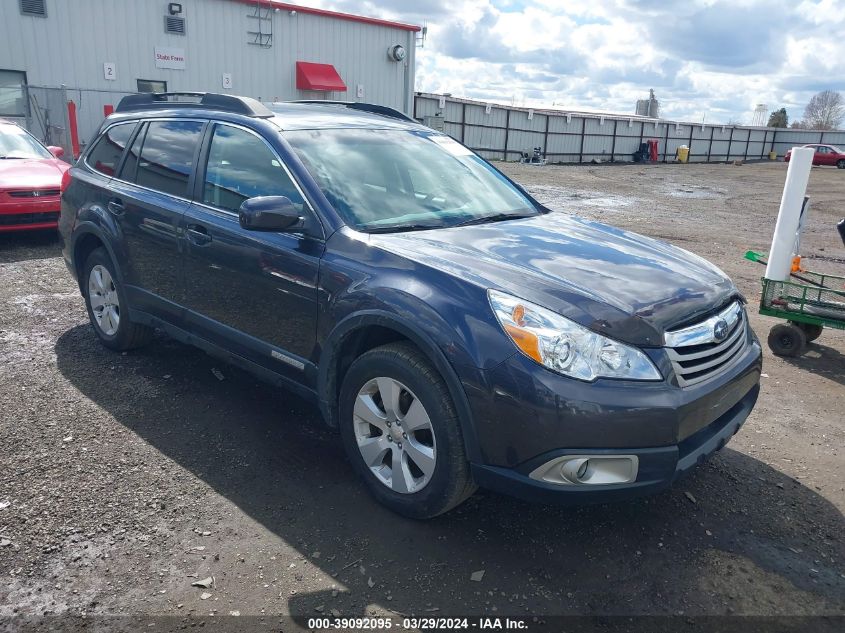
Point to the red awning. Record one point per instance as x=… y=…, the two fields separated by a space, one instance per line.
x=311 y=76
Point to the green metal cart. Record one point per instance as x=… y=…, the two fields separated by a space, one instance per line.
x=810 y=304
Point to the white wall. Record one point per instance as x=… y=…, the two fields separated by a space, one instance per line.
x=77 y=37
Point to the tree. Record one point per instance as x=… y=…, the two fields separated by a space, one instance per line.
x=798 y=125
x=778 y=118
x=825 y=110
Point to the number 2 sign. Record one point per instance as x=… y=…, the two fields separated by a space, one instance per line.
x=110 y=71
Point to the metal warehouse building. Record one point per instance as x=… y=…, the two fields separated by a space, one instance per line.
x=64 y=62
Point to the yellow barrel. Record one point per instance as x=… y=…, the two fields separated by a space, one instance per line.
x=773 y=155
x=683 y=153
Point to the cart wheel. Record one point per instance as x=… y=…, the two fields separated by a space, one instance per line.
x=811 y=330
x=787 y=339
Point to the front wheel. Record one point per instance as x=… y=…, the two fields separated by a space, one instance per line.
x=787 y=339
x=841 y=163
x=106 y=304
x=401 y=432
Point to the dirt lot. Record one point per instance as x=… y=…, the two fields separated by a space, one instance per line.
x=124 y=478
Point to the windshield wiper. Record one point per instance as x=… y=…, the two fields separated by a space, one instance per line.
x=497 y=217
x=401 y=228
x=11 y=157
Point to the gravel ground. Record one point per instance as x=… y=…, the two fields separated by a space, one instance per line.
x=125 y=478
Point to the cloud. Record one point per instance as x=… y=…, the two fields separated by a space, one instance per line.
x=706 y=59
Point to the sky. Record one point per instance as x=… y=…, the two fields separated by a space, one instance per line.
x=707 y=60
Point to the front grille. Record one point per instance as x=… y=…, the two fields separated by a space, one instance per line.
x=696 y=353
x=16 y=219
x=37 y=193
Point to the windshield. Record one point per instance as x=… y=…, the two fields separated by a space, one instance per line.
x=386 y=180
x=15 y=142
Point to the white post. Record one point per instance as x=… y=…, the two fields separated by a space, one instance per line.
x=789 y=216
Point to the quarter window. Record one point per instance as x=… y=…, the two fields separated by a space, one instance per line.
x=107 y=152
x=242 y=166
x=167 y=156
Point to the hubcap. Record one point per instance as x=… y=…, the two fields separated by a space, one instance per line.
x=103 y=298
x=394 y=435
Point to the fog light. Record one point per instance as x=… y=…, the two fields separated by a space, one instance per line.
x=574 y=470
x=589 y=470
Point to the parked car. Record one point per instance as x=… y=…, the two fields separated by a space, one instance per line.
x=454 y=330
x=825 y=155
x=30 y=179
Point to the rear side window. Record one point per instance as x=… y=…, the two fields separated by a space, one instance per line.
x=107 y=152
x=168 y=156
x=242 y=166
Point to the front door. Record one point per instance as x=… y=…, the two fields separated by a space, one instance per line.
x=252 y=292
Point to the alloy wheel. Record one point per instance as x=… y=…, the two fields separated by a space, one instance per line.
x=394 y=435
x=105 y=304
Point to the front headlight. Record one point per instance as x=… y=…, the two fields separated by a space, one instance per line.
x=566 y=347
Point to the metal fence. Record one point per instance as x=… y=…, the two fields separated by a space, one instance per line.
x=67 y=117
x=504 y=132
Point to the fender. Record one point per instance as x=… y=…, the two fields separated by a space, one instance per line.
x=327 y=383
x=95 y=221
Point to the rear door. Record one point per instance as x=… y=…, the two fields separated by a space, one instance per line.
x=252 y=292
x=148 y=199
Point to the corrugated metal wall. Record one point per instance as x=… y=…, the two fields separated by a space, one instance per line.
x=505 y=132
x=70 y=46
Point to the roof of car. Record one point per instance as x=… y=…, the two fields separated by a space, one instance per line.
x=290 y=115
x=310 y=116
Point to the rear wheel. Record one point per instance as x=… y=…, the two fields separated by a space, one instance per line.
x=811 y=330
x=401 y=432
x=787 y=339
x=106 y=304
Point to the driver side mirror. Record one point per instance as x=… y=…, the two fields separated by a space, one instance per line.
x=269 y=213
x=56 y=151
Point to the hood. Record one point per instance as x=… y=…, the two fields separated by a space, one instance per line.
x=630 y=287
x=31 y=173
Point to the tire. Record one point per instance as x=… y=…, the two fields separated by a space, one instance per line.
x=841 y=163
x=419 y=476
x=787 y=339
x=106 y=303
x=811 y=330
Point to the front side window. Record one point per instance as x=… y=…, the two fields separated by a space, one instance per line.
x=242 y=166
x=167 y=156
x=12 y=93
x=393 y=180
x=107 y=152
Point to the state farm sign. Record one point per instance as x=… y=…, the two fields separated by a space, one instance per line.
x=170 y=58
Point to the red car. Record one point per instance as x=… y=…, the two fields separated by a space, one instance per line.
x=30 y=180
x=825 y=155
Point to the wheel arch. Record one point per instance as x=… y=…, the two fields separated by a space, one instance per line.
x=364 y=331
x=86 y=239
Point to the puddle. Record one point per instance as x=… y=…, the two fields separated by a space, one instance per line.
x=698 y=192
x=569 y=200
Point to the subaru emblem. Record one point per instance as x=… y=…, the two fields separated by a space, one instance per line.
x=720 y=330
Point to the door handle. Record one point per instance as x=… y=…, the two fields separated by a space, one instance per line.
x=197 y=234
x=115 y=205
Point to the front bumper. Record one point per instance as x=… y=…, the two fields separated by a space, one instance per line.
x=33 y=214
x=526 y=416
x=658 y=467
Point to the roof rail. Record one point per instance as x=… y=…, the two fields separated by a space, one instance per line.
x=207 y=101
x=363 y=107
